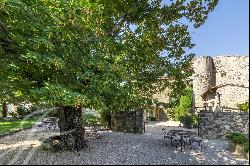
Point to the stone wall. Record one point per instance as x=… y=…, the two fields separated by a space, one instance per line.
x=163 y=98
x=215 y=125
x=128 y=121
x=222 y=78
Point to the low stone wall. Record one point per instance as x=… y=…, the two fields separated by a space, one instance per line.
x=128 y=121
x=215 y=125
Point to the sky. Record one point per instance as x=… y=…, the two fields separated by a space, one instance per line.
x=225 y=32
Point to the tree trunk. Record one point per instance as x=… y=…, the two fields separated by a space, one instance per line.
x=109 y=120
x=5 y=109
x=71 y=128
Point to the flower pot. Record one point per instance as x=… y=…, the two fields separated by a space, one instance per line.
x=246 y=155
x=239 y=149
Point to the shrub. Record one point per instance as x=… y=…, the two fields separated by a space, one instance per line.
x=13 y=114
x=187 y=120
x=33 y=109
x=53 y=113
x=152 y=118
x=22 y=111
x=170 y=112
x=185 y=104
x=105 y=117
x=246 y=147
x=182 y=113
x=237 y=138
x=244 y=106
x=90 y=119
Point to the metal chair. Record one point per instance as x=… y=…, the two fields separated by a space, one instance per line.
x=169 y=137
x=195 y=140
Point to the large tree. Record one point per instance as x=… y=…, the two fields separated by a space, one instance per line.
x=101 y=54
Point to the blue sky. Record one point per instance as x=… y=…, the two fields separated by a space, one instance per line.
x=226 y=31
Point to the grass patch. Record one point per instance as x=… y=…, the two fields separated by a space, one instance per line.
x=7 y=126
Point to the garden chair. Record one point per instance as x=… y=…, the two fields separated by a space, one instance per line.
x=195 y=140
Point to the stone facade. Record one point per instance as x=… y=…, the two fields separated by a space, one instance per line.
x=220 y=81
x=163 y=98
x=215 y=125
x=128 y=121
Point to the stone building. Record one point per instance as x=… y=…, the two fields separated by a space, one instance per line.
x=158 y=110
x=221 y=81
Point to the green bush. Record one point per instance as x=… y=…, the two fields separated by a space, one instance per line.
x=237 y=138
x=244 y=106
x=22 y=111
x=185 y=104
x=33 y=109
x=181 y=113
x=152 y=118
x=53 y=113
x=171 y=113
x=89 y=119
x=188 y=120
x=13 y=114
x=105 y=116
x=246 y=147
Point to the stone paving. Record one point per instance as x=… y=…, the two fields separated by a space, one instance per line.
x=114 y=148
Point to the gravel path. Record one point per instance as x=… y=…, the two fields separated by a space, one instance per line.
x=115 y=148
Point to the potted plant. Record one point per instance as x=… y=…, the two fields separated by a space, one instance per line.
x=187 y=121
x=246 y=151
x=238 y=143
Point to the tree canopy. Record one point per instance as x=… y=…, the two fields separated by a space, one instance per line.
x=96 y=53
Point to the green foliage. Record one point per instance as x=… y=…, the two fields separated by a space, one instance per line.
x=185 y=104
x=171 y=113
x=244 y=106
x=181 y=112
x=237 y=138
x=89 y=119
x=7 y=126
x=189 y=120
x=105 y=116
x=22 y=111
x=152 y=118
x=13 y=114
x=33 y=109
x=85 y=53
x=246 y=147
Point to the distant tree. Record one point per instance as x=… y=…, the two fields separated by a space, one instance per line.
x=101 y=54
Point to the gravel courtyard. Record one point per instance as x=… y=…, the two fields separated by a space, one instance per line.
x=115 y=148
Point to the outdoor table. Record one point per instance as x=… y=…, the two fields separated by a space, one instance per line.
x=180 y=137
x=180 y=140
x=173 y=135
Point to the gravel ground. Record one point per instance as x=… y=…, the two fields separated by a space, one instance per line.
x=115 y=148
